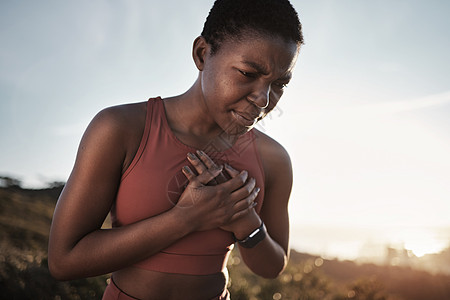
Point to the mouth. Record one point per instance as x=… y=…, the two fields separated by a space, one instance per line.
x=244 y=119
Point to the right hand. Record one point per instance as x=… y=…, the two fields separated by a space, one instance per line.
x=213 y=206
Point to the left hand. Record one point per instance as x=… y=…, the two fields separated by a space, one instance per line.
x=248 y=219
x=244 y=225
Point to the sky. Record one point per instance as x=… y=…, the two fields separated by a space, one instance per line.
x=365 y=118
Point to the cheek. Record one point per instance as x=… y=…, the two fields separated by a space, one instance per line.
x=213 y=83
x=223 y=90
x=222 y=85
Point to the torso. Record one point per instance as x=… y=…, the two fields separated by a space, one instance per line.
x=148 y=284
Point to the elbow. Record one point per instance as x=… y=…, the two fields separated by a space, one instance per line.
x=56 y=271
x=276 y=268
x=60 y=263
x=271 y=273
x=59 y=269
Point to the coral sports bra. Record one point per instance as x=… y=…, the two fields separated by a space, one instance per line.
x=153 y=183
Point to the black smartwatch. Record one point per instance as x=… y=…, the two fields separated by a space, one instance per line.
x=253 y=238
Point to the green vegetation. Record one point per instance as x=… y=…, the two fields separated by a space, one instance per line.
x=25 y=217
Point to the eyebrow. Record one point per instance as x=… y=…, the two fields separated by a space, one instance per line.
x=262 y=69
x=259 y=68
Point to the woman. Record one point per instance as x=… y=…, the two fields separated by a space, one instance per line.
x=186 y=177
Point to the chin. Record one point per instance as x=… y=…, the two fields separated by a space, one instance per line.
x=235 y=128
x=239 y=130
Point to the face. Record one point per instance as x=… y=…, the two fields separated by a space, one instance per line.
x=244 y=80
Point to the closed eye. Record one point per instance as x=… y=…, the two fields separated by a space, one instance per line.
x=248 y=74
x=280 y=85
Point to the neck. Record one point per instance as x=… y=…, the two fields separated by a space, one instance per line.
x=190 y=121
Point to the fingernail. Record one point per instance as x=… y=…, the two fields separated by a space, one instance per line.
x=200 y=152
x=191 y=155
x=257 y=190
x=254 y=204
x=186 y=169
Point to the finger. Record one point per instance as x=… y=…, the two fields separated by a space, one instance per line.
x=209 y=175
x=196 y=162
x=206 y=159
x=188 y=173
x=237 y=182
x=221 y=178
x=242 y=213
x=210 y=164
x=247 y=202
x=245 y=190
x=230 y=170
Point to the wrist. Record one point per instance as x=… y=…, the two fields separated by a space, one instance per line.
x=186 y=223
x=247 y=228
x=254 y=238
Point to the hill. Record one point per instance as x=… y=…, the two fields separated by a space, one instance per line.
x=25 y=217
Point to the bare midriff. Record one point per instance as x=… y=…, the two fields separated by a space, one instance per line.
x=149 y=285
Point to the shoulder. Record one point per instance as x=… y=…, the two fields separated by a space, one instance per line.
x=121 y=117
x=274 y=156
x=115 y=131
x=119 y=121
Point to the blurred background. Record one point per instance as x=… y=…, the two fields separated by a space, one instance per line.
x=365 y=118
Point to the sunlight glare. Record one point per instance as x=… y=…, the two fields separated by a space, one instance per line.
x=419 y=241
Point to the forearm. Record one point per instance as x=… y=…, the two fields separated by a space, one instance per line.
x=105 y=250
x=267 y=259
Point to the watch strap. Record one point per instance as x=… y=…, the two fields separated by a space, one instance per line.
x=253 y=238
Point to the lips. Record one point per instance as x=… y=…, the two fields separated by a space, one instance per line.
x=244 y=119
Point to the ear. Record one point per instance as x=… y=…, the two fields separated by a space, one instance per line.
x=199 y=52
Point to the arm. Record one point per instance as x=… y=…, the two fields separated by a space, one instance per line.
x=269 y=258
x=78 y=247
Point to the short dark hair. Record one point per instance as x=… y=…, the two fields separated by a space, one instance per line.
x=230 y=18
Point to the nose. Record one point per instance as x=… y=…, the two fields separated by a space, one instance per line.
x=260 y=97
